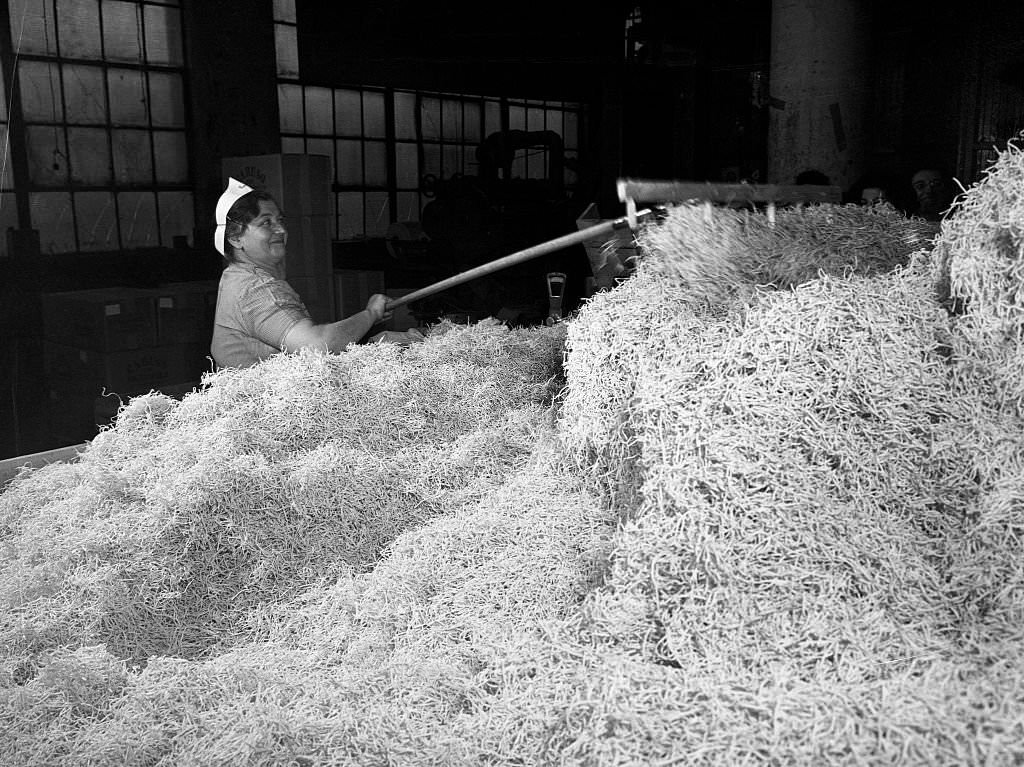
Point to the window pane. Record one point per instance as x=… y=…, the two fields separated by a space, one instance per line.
x=350 y=162
x=127 y=97
x=324 y=146
x=430 y=115
x=451 y=160
x=177 y=216
x=374 y=116
x=350 y=215
x=6 y=178
x=78 y=22
x=40 y=91
x=97 y=221
x=90 y=156
x=347 y=113
x=407 y=167
x=378 y=214
x=167 y=100
x=32 y=26
x=51 y=215
x=287 y=46
x=293 y=145
x=133 y=162
x=163 y=35
x=405 y=115
x=83 y=94
x=171 y=155
x=47 y=155
x=289 y=102
x=451 y=119
x=409 y=206
x=516 y=118
x=319 y=112
x=431 y=160
x=138 y=219
x=8 y=219
x=470 y=165
x=492 y=117
x=284 y=10
x=571 y=131
x=472 y=122
x=122 y=38
x=534 y=119
x=376 y=163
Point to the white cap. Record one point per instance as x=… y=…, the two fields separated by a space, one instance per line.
x=235 y=190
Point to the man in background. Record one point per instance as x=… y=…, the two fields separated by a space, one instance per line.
x=933 y=191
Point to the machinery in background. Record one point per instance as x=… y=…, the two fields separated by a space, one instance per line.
x=471 y=220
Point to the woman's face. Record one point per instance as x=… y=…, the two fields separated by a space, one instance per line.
x=263 y=240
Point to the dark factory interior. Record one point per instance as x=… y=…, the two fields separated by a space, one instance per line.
x=422 y=140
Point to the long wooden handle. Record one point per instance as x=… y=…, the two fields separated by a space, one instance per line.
x=648 y=191
x=573 y=238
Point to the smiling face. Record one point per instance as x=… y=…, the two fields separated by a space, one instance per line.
x=263 y=240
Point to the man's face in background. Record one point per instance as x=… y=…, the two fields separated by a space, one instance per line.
x=932 y=191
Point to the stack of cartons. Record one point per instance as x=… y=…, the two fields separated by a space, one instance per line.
x=301 y=185
x=107 y=343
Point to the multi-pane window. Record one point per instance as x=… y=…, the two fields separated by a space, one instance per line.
x=387 y=167
x=392 y=147
x=102 y=93
x=286 y=38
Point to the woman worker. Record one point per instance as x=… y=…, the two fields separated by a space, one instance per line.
x=258 y=313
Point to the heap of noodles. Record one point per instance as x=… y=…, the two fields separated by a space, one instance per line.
x=770 y=514
x=184 y=516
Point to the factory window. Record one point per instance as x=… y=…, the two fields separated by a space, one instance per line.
x=286 y=38
x=102 y=93
x=392 y=149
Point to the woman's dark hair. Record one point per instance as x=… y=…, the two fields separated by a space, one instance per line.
x=245 y=209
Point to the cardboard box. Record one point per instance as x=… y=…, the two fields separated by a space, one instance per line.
x=353 y=288
x=185 y=311
x=87 y=372
x=301 y=183
x=75 y=417
x=104 y=319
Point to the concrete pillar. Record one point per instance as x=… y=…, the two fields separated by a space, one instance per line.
x=818 y=84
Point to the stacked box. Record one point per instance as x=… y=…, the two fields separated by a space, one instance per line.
x=125 y=371
x=116 y=341
x=106 y=319
x=185 y=311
